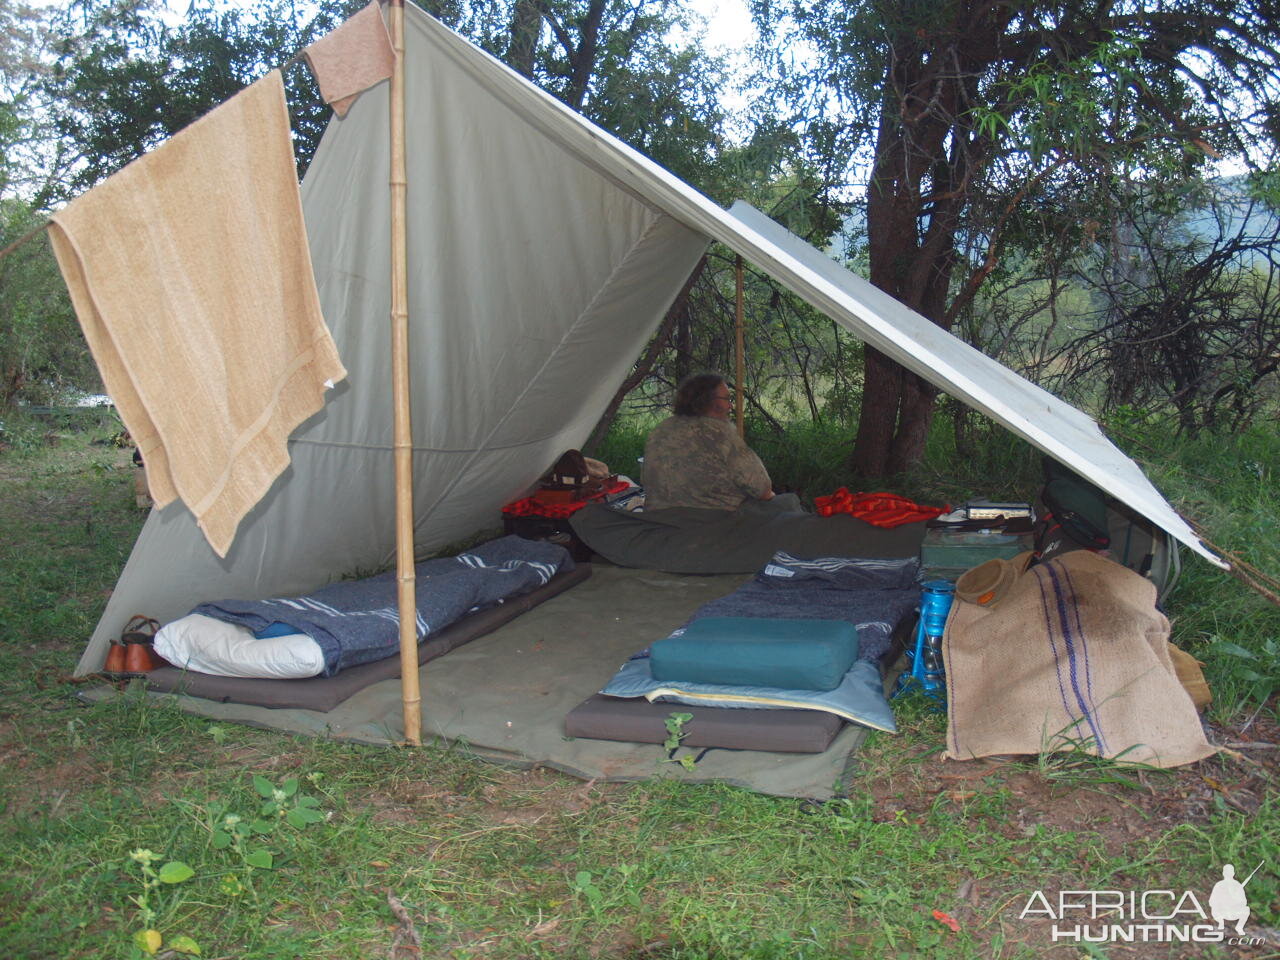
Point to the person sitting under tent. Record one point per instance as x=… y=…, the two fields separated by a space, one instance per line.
x=695 y=458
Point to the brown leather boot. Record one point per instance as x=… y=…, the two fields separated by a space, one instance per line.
x=139 y=657
x=137 y=640
x=115 y=660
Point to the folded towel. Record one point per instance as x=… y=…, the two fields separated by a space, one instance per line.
x=191 y=276
x=351 y=58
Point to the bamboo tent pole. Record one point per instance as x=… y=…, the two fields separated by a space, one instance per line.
x=410 y=688
x=740 y=349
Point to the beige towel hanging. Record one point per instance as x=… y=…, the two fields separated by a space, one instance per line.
x=352 y=58
x=191 y=276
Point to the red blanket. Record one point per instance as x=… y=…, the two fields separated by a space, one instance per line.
x=533 y=507
x=880 y=509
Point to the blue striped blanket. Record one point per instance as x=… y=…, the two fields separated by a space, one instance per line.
x=358 y=621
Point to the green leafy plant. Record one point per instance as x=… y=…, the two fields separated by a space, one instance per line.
x=583 y=884
x=148 y=940
x=592 y=888
x=284 y=802
x=676 y=733
x=247 y=837
x=1257 y=671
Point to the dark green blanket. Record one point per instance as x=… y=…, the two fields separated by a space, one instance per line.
x=691 y=540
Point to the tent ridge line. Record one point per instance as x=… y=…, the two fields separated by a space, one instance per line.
x=345 y=445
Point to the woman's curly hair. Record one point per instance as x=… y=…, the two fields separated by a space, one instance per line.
x=695 y=393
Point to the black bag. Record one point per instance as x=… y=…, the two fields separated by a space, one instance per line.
x=1073 y=514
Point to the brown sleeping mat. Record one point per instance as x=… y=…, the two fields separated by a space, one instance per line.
x=636 y=720
x=325 y=693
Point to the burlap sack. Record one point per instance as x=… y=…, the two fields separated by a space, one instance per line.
x=1191 y=676
x=1074 y=656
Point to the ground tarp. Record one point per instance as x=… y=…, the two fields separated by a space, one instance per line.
x=504 y=696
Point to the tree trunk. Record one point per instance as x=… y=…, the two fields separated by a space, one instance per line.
x=918 y=187
x=679 y=310
x=584 y=58
x=915 y=414
x=526 y=24
x=878 y=418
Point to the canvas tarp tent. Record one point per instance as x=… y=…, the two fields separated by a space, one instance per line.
x=542 y=254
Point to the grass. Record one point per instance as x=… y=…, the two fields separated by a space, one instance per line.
x=1227 y=486
x=496 y=863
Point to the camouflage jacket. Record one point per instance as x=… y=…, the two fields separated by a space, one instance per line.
x=700 y=462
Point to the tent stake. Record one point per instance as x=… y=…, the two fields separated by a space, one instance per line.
x=410 y=689
x=740 y=373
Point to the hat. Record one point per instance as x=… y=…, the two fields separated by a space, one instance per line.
x=569 y=472
x=986 y=583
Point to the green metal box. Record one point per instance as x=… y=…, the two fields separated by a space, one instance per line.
x=949 y=553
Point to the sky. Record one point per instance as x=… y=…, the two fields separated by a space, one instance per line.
x=729 y=23
x=729 y=26
x=729 y=32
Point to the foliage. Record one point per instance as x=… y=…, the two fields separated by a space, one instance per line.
x=1189 y=315
x=1227 y=486
x=23 y=124
x=972 y=116
x=623 y=445
x=1256 y=673
x=616 y=63
x=123 y=80
x=42 y=353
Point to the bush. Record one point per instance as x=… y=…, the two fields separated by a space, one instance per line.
x=42 y=351
x=1226 y=485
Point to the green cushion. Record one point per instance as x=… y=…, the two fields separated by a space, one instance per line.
x=758 y=652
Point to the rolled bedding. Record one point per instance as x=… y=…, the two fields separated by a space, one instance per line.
x=357 y=621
